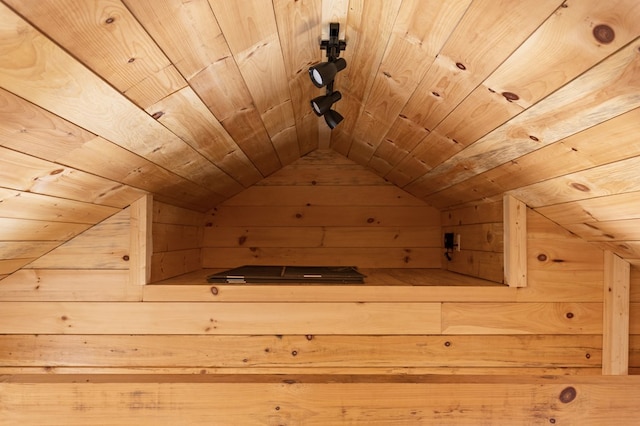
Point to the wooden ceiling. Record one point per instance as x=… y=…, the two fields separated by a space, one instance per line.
x=455 y=101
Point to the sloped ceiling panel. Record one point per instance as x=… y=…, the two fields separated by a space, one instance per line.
x=455 y=101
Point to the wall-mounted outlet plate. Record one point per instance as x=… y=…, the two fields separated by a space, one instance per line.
x=448 y=240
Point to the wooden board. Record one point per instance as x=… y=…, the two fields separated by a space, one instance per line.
x=363 y=257
x=103 y=246
x=65 y=285
x=229 y=318
x=472 y=400
x=522 y=318
x=316 y=352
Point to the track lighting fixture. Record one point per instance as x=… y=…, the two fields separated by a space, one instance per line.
x=322 y=104
x=332 y=118
x=323 y=75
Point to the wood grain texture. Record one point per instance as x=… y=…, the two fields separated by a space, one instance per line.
x=461 y=65
x=515 y=242
x=615 y=329
x=592 y=92
x=107 y=285
x=103 y=246
x=417 y=32
x=228 y=318
x=315 y=352
x=108 y=39
x=468 y=400
x=522 y=318
x=75 y=101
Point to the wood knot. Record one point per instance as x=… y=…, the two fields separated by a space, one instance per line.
x=580 y=187
x=542 y=257
x=309 y=336
x=313 y=182
x=294 y=353
x=510 y=96
x=157 y=115
x=56 y=172
x=587 y=356
x=461 y=66
x=568 y=394
x=214 y=290
x=436 y=94
x=370 y=220
x=447 y=343
x=109 y=20
x=298 y=215
x=569 y=315
x=604 y=33
x=242 y=239
x=125 y=258
x=533 y=138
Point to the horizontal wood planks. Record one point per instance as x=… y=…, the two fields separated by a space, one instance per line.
x=481 y=234
x=224 y=318
x=291 y=399
x=177 y=239
x=323 y=210
x=317 y=353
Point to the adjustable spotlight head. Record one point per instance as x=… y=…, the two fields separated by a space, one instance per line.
x=324 y=73
x=333 y=118
x=322 y=104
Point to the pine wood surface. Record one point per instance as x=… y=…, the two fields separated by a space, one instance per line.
x=474 y=400
x=103 y=246
x=615 y=346
x=469 y=112
x=315 y=352
x=226 y=318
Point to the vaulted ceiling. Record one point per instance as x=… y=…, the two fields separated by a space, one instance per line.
x=455 y=101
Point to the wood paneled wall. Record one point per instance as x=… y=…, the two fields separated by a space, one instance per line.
x=329 y=346
x=323 y=210
x=177 y=239
x=481 y=251
x=92 y=266
x=634 y=321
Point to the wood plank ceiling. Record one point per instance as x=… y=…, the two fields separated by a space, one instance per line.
x=456 y=101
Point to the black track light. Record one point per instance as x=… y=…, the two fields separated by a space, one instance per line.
x=322 y=104
x=333 y=118
x=324 y=73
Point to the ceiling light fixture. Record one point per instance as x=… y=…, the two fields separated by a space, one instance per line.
x=322 y=104
x=324 y=73
x=332 y=118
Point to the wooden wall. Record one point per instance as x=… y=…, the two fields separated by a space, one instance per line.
x=321 y=354
x=323 y=210
x=177 y=241
x=634 y=326
x=92 y=266
x=481 y=251
x=342 y=354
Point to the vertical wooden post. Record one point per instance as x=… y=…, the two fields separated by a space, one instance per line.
x=515 y=242
x=141 y=243
x=615 y=330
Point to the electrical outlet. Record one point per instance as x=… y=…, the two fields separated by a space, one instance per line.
x=448 y=240
x=456 y=245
